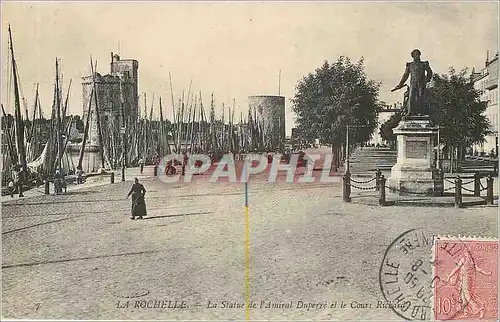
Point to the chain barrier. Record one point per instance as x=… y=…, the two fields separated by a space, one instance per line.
x=362 y=188
x=468 y=190
x=482 y=187
x=363 y=182
x=463 y=183
x=448 y=189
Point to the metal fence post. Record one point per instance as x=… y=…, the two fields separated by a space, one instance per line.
x=346 y=191
x=441 y=178
x=458 y=192
x=377 y=176
x=381 y=191
x=155 y=171
x=477 y=184
x=47 y=187
x=489 y=190
x=112 y=177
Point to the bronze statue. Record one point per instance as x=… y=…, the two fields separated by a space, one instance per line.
x=421 y=74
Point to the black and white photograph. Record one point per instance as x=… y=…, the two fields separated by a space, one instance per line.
x=249 y=161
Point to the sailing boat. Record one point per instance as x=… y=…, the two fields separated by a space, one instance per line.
x=18 y=120
x=54 y=155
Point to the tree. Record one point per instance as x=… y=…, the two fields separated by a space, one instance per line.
x=386 y=128
x=337 y=95
x=456 y=106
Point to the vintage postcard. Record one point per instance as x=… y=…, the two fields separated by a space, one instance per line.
x=249 y=160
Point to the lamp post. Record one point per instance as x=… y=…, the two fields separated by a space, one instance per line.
x=438 y=161
x=347 y=149
x=124 y=154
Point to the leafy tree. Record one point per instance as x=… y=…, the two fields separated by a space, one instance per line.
x=334 y=96
x=386 y=128
x=456 y=106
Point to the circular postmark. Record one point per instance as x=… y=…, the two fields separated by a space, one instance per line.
x=416 y=270
x=405 y=276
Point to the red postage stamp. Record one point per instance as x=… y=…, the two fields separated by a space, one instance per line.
x=465 y=278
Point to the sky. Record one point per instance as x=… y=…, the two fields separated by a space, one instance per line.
x=236 y=49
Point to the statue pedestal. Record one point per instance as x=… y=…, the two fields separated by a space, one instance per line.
x=414 y=171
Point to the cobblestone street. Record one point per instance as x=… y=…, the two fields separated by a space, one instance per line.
x=79 y=256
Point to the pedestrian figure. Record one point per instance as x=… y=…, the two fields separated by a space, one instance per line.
x=17 y=177
x=138 y=203
x=11 y=188
x=184 y=163
x=141 y=164
x=22 y=178
x=79 y=175
x=57 y=182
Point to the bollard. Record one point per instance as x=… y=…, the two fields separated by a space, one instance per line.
x=458 y=192
x=346 y=191
x=381 y=191
x=477 y=185
x=123 y=173
x=377 y=176
x=47 y=187
x=112 y=177
x=489 y=190
x=155 y=171
x=440 y=173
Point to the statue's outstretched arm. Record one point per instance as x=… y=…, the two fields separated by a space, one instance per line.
x=429 y=72
x=403 y=79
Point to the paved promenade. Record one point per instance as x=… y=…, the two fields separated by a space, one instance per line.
x=79 y=256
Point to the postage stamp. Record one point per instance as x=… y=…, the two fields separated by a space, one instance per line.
x=465 y=278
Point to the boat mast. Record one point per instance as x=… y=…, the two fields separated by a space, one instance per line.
x=19 y=126
x=97 y=116
x=86 y=131
x=58 y=119
x=124 y=127
x=66 y=101
x=32 y=132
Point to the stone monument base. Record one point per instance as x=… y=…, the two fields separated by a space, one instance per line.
x=414 y=172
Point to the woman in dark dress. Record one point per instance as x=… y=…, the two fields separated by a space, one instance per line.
x=138 y=204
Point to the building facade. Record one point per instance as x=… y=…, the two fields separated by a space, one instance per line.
x=270 y=113
x=383 y=116
x=486 y=81
x=120 y=84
